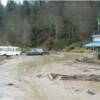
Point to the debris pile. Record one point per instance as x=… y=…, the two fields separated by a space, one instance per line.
x=82 y=77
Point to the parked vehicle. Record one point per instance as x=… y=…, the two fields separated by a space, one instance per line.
x=9 y=50
x=35 y=51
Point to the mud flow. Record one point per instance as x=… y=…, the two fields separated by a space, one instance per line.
x=50 y=77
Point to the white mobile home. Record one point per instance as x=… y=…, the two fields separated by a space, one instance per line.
x=96 y=38
x=10 y=50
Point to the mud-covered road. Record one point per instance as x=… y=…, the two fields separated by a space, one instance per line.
x=27 y=78
x=15 y=84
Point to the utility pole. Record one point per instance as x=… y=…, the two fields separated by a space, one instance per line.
x=98 y=19
x=98 y=28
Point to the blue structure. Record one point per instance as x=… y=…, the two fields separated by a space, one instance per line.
x=95 y=44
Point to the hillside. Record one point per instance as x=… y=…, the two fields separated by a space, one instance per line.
x=50 y=24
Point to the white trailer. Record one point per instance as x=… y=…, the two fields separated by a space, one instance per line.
x=9 y=50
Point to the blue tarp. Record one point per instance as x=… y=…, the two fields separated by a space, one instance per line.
x=93 y=44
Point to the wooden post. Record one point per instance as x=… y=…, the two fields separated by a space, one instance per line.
x=98 y=53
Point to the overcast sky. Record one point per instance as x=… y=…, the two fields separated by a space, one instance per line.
x=4 y=2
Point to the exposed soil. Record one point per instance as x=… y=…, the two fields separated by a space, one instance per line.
x=51 y=77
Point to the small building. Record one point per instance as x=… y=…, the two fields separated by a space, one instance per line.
x=96 y=38
x=95 y=44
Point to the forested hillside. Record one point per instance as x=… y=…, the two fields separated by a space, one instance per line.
x=47 y=23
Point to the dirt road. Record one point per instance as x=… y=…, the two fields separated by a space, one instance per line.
x=27 y=78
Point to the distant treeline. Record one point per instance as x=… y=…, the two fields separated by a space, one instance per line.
x=47 y=23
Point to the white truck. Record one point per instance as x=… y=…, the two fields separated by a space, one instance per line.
x=9 y=51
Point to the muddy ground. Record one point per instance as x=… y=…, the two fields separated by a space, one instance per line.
x=30 y=78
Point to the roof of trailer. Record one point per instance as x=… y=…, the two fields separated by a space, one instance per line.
x=96 y=35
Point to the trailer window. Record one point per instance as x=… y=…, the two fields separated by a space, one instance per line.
x=17 y=49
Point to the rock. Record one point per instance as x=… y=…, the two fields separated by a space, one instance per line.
x=39 y=76
x=90 y=92
x=10 y=84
